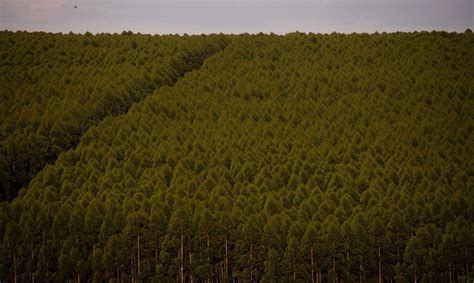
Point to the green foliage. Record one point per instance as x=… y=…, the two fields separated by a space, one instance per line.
x=53 y=88
x=297 y=158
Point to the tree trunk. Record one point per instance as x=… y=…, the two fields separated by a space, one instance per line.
x=251 y=262
x=294 y=270
x=178 y=274
x=208 y=258
x=182 y=258
x=312 y=266
x=467 y=260
x=138 y=255
x=416 y=279
x=222 y=267
x=226 y=260
x=32 y=274
x=117 y=270
x=14 y=267
x=191 y=279
x=380 y=268
x=132 y=267
x=398 y=249
x=334 y=268
x=449 y=270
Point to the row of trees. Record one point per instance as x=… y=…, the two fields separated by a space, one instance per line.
x=298 y=158
x=54 y=87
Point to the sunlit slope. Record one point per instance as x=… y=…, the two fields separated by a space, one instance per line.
x=290 y=158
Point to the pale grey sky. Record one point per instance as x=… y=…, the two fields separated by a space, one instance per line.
x=214 y=16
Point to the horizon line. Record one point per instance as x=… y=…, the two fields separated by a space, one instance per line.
x=130 y=32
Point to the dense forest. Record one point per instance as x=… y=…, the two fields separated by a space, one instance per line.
x=54 y=87
x=296 y=158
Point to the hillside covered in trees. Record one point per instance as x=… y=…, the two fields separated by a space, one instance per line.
x=54 y=87
x=296 y=158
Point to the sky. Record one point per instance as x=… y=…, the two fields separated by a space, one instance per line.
x=226 y=16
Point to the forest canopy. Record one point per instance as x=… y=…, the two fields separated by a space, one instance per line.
x=296 y=158
x=53 y=87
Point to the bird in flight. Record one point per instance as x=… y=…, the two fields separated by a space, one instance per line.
x=75 y=6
